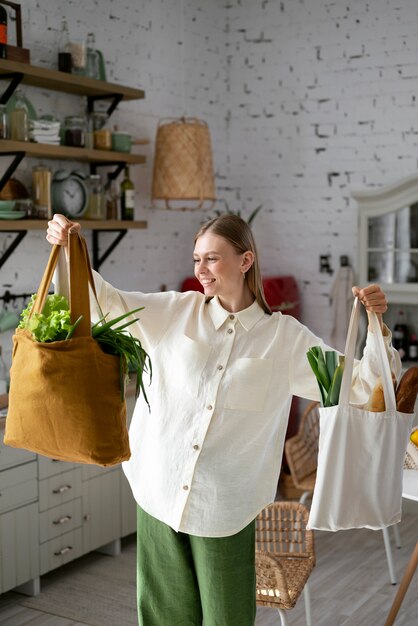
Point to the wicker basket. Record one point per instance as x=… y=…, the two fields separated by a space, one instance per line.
x=183 y=168
x=411 y=456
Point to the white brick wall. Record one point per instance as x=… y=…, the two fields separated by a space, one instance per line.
x=306 y=100
x=321 y=101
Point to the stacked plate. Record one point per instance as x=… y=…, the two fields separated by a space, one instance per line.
x=8 y=210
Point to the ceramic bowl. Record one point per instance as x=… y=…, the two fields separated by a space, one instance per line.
x=7 y=205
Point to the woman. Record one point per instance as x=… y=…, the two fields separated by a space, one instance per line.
x=206 y=457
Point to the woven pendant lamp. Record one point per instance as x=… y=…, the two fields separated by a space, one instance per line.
x=183 y=169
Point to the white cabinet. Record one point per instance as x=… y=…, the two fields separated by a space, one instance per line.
x=52 y=512
x=388 y=239
x=19 y=519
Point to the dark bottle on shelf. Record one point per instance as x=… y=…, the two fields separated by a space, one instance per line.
x=3 y=33
x=127 y=197
x=413 y=348
x=400 y=336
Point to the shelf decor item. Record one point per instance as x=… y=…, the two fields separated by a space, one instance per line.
x=183 y=169
x=17 y=53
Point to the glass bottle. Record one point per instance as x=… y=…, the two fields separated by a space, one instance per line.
x=65 y=61
x=127 y=197
x=112 y=198
x=400 y=336
x=19 y=118
x=413 y=348
x=93 y=59
x=96 y=208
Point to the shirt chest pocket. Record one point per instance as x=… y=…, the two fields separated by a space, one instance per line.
x=248 y=387
x=189 y=367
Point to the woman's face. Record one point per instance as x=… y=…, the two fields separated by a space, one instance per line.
x=218 y=267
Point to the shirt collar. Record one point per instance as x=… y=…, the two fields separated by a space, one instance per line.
x=247 y=317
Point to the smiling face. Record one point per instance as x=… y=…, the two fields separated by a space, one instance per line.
x=221 y=270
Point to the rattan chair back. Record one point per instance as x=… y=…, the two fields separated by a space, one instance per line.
x=302 y=449
x=285 y=554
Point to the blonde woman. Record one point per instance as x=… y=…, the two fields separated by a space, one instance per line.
x=206 y=458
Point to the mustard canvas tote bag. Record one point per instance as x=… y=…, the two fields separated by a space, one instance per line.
x=65 y=398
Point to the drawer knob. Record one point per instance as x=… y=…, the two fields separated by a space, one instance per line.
x=63 y=551
x=62 y=489
x=62 y=520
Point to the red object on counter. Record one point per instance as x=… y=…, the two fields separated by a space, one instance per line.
x=282 y=294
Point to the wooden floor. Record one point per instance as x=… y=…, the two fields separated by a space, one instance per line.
x=349 y=586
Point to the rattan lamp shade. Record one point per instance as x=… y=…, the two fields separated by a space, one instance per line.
x=183 y=168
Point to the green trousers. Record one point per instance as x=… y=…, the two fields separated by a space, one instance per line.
x=184 y=580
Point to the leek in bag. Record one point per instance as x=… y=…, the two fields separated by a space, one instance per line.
x=328 y=369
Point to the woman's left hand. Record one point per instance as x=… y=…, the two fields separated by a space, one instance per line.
x=373 y=300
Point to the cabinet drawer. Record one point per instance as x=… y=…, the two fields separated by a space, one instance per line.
x=59 y=489
x=18 y=486
x=52 y=467
x=60 y=520
x=61 y=550
x=10 y=457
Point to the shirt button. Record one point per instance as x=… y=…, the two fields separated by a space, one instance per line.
x=186 y=487
x=195 y=447
x=209 y=407
x=232 y=317
x=229 y=331
x=220 y=367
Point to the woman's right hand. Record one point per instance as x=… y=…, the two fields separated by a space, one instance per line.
x=58 y=228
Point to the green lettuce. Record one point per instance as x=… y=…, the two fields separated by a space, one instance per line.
x=53 y=324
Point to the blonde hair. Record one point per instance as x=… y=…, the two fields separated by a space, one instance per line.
x=236 y=231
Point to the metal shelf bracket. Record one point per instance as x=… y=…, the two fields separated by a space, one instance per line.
x=98 y=260
x=115 y=97
x=18 y=156
x=16 y=78
x=13 y=245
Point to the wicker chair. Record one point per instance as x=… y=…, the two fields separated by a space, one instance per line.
x=285 y=557
x=302 y=452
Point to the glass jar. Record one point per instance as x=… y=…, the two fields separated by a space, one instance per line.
x=19 y=118
x=96 y=208
x=102 y=135
x=74 y=131
x=3 y=122
x=41 y=191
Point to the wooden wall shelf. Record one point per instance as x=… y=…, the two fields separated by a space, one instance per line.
x=68 y=153
x=67 y=83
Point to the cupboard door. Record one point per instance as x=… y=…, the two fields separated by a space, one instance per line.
x=19 y=546
x=101 y=510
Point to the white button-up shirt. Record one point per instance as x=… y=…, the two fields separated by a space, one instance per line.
x=207 y=456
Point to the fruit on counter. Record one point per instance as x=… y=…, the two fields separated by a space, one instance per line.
x=414 y=437
x=376 y=403
x=406 y=392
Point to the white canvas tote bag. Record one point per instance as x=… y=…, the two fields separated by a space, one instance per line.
x=361 y=454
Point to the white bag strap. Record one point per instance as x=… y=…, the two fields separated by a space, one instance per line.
x=350 y=346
